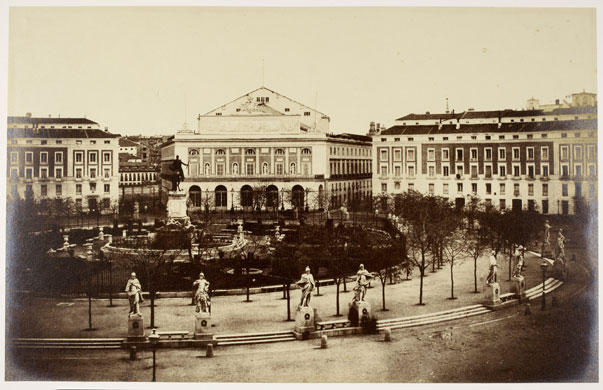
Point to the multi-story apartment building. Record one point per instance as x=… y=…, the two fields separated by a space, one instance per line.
x=63 y=158
x=138 y=178
x=266 y=141
x=531 y=159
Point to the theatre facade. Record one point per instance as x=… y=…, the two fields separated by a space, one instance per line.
x=266 y=151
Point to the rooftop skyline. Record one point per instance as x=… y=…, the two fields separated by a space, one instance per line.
x=148 y=70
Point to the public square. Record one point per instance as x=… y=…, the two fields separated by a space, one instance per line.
x=308 y=194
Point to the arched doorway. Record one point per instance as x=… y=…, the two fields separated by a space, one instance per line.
x=194 y=194
x=297 y=197
x=246 y=196
x=271 y=196
x=221 y=196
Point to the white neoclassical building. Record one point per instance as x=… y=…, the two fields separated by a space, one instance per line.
x=265 y=150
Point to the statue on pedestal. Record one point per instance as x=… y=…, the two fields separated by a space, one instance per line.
x=547 y=233
x=175 y=174
x=363 y=278
x=519 y=264
x=202 y=300
x=561 y=244
x=306 y=284
x=134 y=291
x=492 y=275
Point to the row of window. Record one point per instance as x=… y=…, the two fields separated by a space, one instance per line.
x=58 y=189
x=492 y=120
x=350 y=186
x=349 y=151
x=489 y=137
x=248 y=152
x=501 y=191
x=58 y=142
x=58 y=157
x=43 y=173
x=350 y=167
x=488 y=173
x=474 y=154
x=138 y=176
x=250 y=169
x=487 y=154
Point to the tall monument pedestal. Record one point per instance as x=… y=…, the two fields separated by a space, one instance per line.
x=176 y=205
x=520 y=288
x=493 y=297
x=304 y=322
x=203 y=326
x=359 y=310
x=135 y=328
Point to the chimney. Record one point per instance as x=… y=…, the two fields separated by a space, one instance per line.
x=556 y=101
x=28 y=115
x=50 y=116
x=106 y=129
x=372 y=128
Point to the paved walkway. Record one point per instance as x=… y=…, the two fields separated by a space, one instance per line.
x=266 y=312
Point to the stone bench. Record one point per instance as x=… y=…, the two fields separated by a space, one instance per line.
x=332 y=324
x=177 y=333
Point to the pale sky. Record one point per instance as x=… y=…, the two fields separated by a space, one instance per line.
x=132 y=69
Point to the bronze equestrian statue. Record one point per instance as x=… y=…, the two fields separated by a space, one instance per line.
x=176 y=174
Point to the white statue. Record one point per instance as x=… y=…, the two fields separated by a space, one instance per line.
x=306 y=284
x=492 y=274
x=202 y=300
x=547 y=232
x=134 y=291
x=363 y=278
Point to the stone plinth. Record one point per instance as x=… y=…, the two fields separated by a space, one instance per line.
x=203 y=326
x=304 y=319
x=176 y=204
x=520 y=287
x=359 y=310
x=135 y=327
x=493 y=293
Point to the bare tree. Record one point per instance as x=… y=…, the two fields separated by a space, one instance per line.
x=153 y=259
x=287 y=266
x=453 y=248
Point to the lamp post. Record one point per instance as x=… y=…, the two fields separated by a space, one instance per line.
x=110 y=262
x=154 y=339
x=232 y=200
x=543 y=266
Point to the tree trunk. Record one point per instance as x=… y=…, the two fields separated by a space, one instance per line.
x=422 y=269
x=288 y=302
x=383 y=281
x=284 y=291
x=89 y=311
x=247 y=279
x=152 y=294
x=475 y=274
x=451 y=280
x=345 y=287
x=317 y=287
x=337 y=283
x=510 y=259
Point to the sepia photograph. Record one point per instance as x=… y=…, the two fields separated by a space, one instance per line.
x=300 y=193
